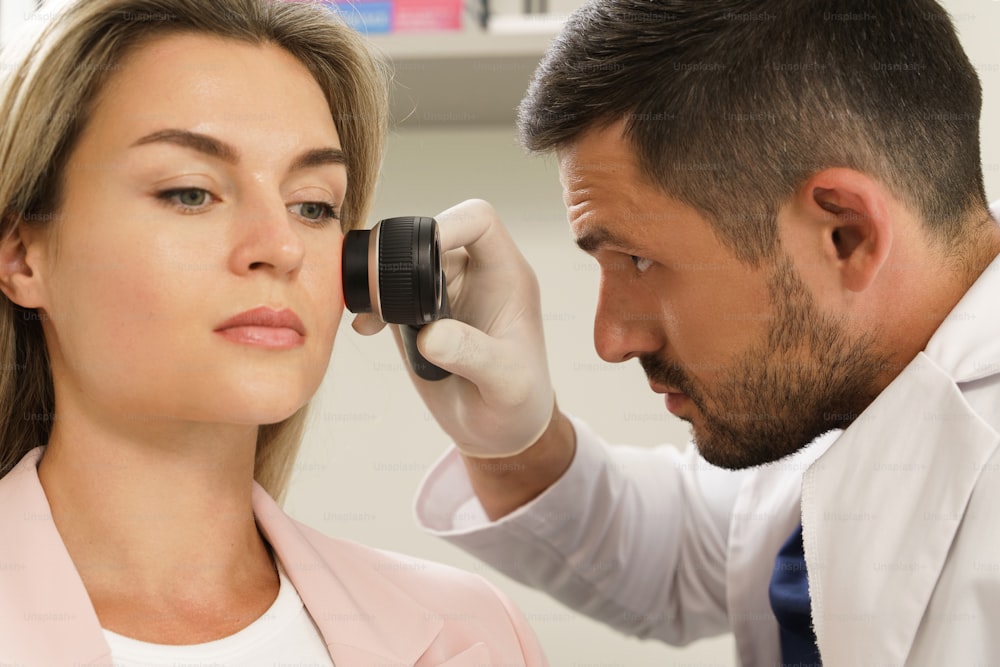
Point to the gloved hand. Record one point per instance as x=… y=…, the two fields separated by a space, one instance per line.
x=499 y=400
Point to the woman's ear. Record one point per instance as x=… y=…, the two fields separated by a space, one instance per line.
x=19 y=279
x=850 y=212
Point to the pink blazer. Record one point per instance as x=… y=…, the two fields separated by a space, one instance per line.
x=372 y=607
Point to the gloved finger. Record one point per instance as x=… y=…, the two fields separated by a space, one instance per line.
x=367 y=324
x=464 y=223
x=486 y=362
x=454 y=263
x=475 y=226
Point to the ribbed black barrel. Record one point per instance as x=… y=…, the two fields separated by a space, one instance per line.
x=399 y=290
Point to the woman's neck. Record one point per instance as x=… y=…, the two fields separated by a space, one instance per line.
x=157 y=518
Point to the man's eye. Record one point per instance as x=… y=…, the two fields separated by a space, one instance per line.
x=641 y=263
x=315 y=211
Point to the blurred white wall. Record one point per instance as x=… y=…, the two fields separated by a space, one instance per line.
x=371 y=440
x=12 y=14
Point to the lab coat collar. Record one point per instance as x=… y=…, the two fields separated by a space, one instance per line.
x=881 y=507
x=967 y=344
x=361 y=614
x=363 y=617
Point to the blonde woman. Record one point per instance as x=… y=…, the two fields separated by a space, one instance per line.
x=176 y=177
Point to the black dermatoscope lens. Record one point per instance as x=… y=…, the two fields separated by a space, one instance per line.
x=394 y=271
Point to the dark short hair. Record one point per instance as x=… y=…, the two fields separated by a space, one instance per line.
x=731 y=104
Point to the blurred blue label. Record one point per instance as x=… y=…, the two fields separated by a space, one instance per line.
x=370 y=18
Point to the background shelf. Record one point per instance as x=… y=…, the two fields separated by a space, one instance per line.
x=467 y=79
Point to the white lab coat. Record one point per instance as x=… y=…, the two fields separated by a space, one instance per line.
x=900 y=516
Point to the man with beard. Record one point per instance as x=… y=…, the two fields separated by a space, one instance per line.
x=818 y=162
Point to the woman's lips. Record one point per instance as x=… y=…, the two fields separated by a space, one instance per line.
x=265 y=327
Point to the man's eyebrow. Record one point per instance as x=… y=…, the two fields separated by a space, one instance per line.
x=596 y=238
x=212 y=147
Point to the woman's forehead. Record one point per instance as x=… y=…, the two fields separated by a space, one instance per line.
x=218 y=85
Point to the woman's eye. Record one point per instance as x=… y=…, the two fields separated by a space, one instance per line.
x=641 y=263
x=315 y=211
x=186 y=198
x=192 y=197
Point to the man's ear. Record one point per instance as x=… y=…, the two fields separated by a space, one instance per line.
x=19 y=278
x=850 y=213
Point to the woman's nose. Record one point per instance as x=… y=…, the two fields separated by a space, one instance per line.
x=266 y=238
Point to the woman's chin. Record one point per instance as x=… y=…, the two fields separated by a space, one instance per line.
x=253 y=411
x=270 y=414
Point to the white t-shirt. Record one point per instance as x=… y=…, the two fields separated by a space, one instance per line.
x=285 y=634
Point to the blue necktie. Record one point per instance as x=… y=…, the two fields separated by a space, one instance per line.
x=789 y=592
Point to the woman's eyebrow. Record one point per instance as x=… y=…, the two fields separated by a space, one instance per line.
x=200 y=142
x=319 y=157
x=220 y=150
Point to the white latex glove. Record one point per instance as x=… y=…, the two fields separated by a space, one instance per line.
x=499 y=400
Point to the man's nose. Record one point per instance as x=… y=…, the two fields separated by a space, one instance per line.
x=628 y=323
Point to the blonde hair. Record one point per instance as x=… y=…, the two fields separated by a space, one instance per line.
x=45 y=99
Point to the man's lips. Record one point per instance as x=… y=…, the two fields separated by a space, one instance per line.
x=265 y=327
x=673 y=399
x=676 y=402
